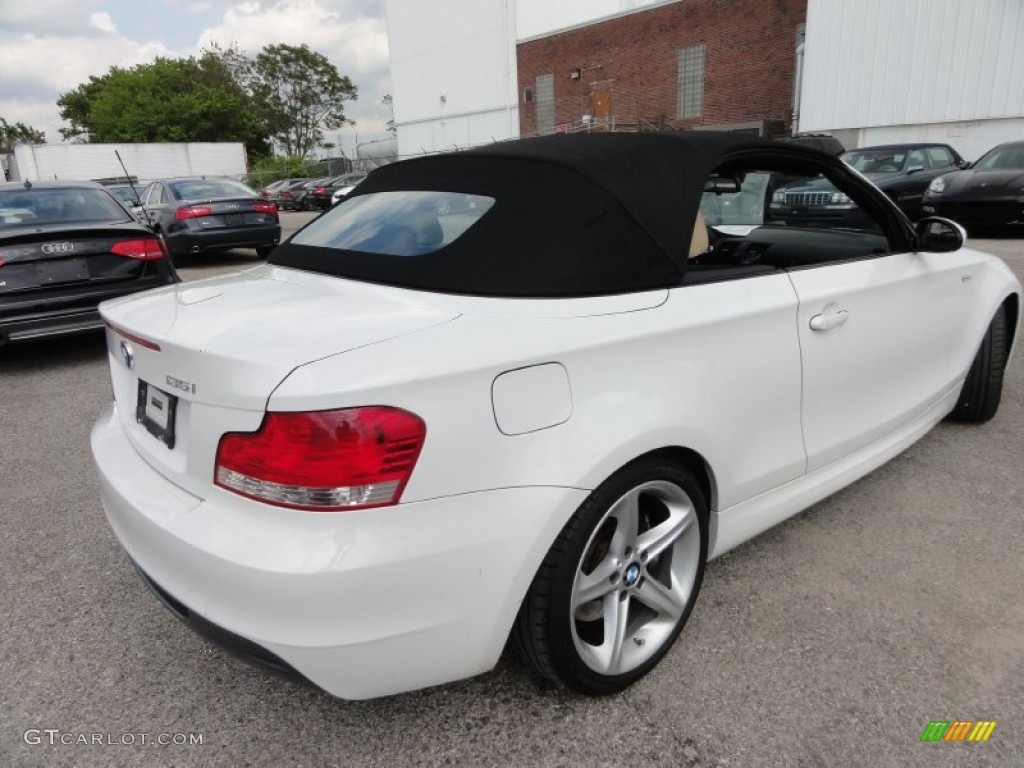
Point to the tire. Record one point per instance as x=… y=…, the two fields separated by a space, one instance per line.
x=983 y=387
x=602 y=610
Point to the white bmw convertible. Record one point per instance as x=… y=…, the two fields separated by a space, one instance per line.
x=527 y=392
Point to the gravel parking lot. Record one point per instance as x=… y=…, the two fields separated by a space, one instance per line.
x=831 y=640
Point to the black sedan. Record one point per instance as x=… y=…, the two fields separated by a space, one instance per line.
x=321 y=196
x=199 y=215
x=287 y=197
x=988 y=194
x=65 y=247
x=902 y=171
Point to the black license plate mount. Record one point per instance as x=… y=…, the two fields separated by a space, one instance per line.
x=156 y=410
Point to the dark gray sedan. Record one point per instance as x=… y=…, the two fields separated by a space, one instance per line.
x=199 y=215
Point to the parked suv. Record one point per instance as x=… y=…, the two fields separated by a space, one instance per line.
x=902 y=171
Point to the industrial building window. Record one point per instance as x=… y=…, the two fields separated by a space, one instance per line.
x=545 y=95
x=691 y=81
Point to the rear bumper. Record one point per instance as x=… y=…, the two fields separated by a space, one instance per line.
x=45 y=325
x=362 y=604
x=196 y=241
x=41 y=317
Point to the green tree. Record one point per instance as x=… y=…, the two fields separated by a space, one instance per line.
x=18 y=133
x=193 y=99
x=268 y=169
x=299 y=93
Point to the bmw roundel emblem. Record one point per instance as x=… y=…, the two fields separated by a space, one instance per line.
x=127 y=354
x=632 y=575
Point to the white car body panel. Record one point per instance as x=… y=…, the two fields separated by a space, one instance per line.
x=902 y=311
x=727 y=343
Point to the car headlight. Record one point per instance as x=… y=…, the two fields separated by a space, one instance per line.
x=938 y=185
x=779 y=197
x=840 y=197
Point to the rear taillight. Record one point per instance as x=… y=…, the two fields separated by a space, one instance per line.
x=318 y=191
x=147 y=249
x=286 y=194
x=192 y=212
x=264 y=207
x=323 y=460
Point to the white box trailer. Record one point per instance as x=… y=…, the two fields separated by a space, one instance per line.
x=38 y=162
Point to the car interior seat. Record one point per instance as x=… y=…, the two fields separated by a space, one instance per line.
x=699 y=241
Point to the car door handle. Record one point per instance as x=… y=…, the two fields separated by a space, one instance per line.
x=829 y=320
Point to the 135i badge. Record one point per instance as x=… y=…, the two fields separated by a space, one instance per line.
x=181 y=384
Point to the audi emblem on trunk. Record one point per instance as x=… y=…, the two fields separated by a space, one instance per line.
x=50 y=248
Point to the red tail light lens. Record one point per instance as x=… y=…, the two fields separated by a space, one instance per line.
x=318 y=191
x=265 y=207
x=192 y=212
x=354 y=458
x=147 y=249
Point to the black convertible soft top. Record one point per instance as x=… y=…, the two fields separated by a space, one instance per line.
x=574 y=215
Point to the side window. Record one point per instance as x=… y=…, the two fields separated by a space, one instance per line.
x=940 y=157
x=161 y=195
x=763 y=221
x=916 y=160
x=147 y=195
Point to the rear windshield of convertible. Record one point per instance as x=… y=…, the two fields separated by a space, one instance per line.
x=484 y=226
x=396 y=223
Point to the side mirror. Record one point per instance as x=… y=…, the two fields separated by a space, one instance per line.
x=915 y=169
x=963 y=165
x=939 y=235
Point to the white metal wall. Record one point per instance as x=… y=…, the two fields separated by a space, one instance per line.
x=453 y=72
x=873 y=63
x=144 y=161
x=971 y=138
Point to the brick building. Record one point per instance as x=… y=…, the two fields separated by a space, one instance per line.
x=695 y=63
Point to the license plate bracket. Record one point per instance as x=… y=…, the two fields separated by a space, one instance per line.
x=234 y=219
x=62 y=271
x=155 y=410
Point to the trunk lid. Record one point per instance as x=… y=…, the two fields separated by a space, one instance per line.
x=220 y=347
x=229 y=212
x=43 y=257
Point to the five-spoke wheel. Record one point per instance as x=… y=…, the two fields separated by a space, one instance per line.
x=620 y=581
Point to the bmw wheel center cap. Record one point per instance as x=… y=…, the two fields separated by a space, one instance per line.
x=632 y=574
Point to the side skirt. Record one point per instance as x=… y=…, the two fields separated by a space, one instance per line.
x=747 y=519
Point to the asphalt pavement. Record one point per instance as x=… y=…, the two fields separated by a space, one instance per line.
x=831 y=640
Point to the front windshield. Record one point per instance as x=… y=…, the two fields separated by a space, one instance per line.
x=1009 y=158
x=71 y=205
x=876 y=160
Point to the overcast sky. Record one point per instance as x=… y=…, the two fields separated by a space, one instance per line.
x=49 y=47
